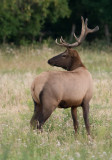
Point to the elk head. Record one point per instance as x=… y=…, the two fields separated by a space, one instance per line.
x=70 y=57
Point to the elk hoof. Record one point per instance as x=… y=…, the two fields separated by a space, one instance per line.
x=89 y=138
x=33 y=125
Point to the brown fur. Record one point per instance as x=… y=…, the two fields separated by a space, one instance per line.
x=63 y=89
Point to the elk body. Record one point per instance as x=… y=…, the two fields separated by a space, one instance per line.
x=63 y=89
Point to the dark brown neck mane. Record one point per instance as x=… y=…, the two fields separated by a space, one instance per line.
x=76 y=61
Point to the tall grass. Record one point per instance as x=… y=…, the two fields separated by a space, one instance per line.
x=18 y=67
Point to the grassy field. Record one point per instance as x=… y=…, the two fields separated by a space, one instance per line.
x=18 y=67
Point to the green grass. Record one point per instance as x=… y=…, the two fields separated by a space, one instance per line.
x=18 y=67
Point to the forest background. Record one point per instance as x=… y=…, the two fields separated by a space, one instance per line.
x=28 y=21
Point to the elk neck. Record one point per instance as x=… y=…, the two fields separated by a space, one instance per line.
x=76 y=61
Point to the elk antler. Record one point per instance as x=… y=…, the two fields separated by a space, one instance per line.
x=85 y=30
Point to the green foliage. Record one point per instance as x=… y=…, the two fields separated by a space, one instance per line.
x=21 y=19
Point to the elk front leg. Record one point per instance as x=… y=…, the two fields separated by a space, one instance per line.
x=74 y=116
x=85 y=108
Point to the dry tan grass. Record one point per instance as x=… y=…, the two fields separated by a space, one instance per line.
x=17 y=70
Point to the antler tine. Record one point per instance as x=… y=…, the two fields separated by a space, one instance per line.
x=83 y=24
x=58 y=43
x=90 y=30
x=82 y=36
x=86 y=21
x=77 y=39
x=63 y=41
x=93 y=30
x=82 y=31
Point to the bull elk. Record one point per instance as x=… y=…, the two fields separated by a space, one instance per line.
x=71 y=88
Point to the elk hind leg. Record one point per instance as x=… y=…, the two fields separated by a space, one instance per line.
x=34 y=119
x=48 y=105
x=45 y=113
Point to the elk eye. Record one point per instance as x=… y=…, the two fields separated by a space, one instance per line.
x=63 y=55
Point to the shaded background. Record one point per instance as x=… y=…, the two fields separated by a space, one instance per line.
x=29 y=21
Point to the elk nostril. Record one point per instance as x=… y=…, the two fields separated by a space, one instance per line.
x=48 y=61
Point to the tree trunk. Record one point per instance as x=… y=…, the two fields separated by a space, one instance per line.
x=72 y=32
x=4 y=39
x=107 y=33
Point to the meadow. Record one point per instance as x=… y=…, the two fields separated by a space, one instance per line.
x=18 y=67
